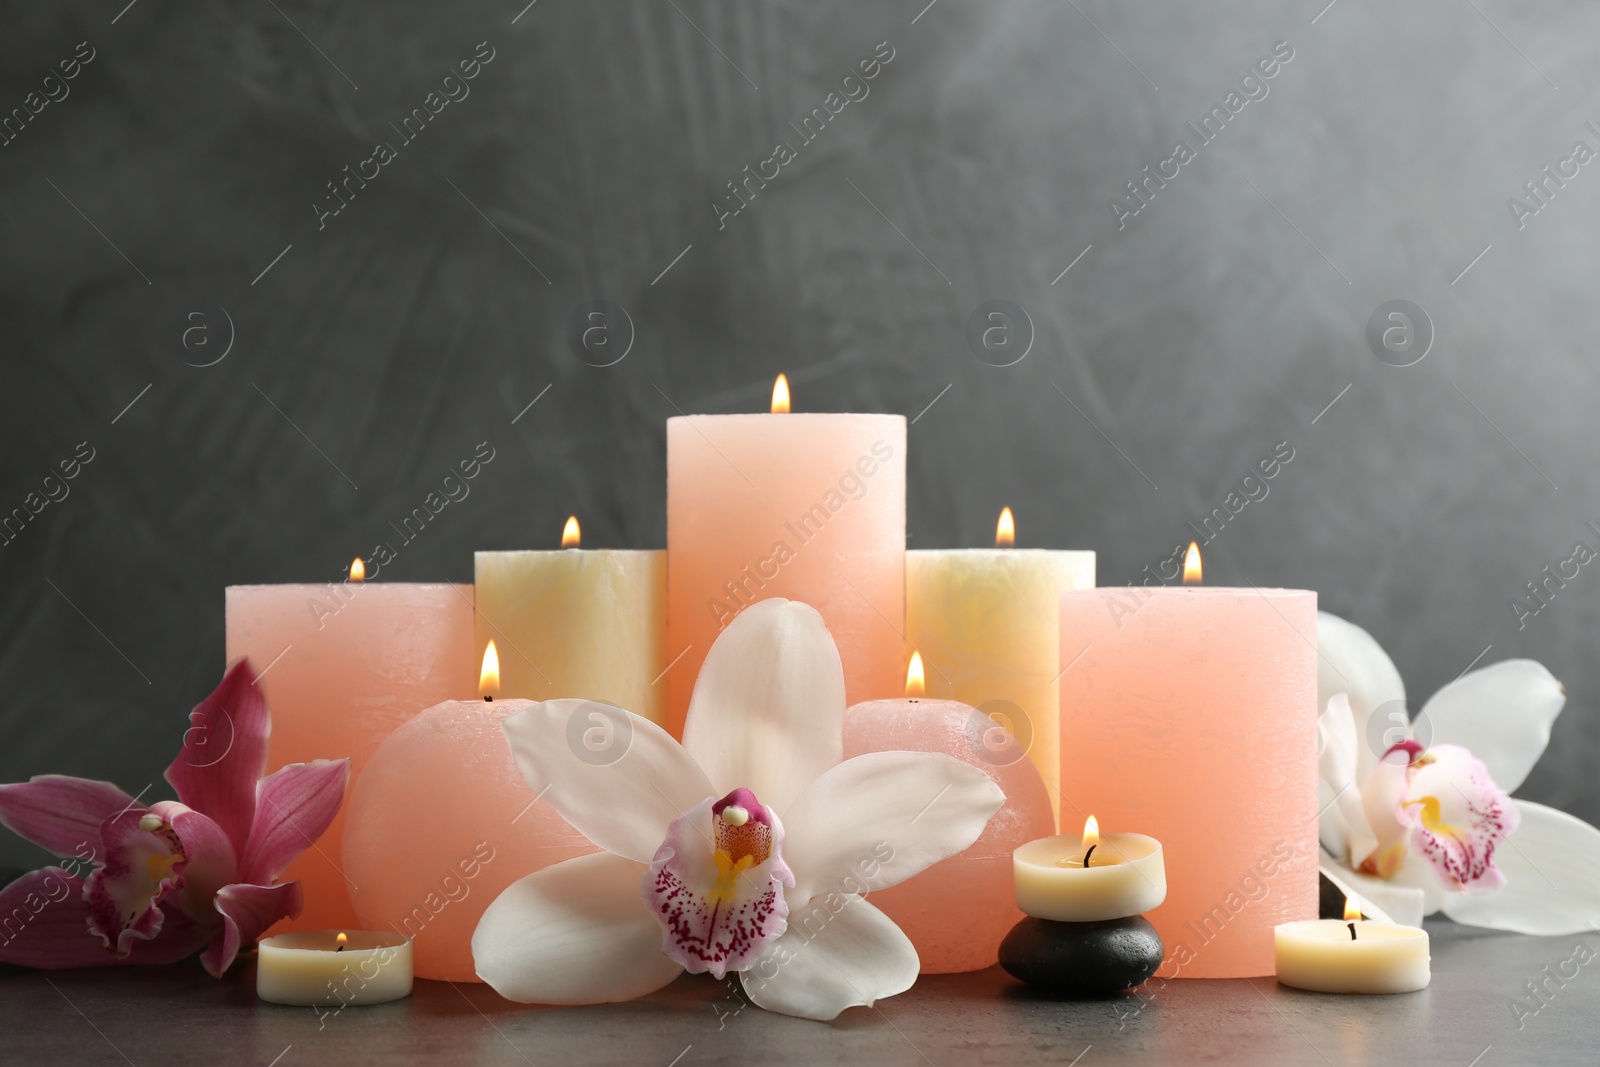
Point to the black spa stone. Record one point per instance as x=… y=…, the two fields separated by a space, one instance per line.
x=1082 y=959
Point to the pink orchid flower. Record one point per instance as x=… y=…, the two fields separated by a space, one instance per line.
x=178 y=876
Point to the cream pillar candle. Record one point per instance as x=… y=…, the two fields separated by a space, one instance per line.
x=342 y=665
x=576 y=623
x=326 y=967
x=811 y=507
x=986 y=622
x=1191 y=714
x=1124 y=876
x=1330 y=956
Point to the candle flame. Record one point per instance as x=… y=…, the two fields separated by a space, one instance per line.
x=342 y=938
x=780 y=396
x=358 y=570
x=489 y=677
x=1091 y=832
x=916 y=681
x=1191 y=565
x=1005 y=531
x=571 y=536
x=1351 y=912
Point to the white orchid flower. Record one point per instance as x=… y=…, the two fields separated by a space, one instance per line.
x=749 y=848
x=1417 y=817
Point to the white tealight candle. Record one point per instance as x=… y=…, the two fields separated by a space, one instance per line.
x=332 y=967
x=1125 y=875
x=1353 y=956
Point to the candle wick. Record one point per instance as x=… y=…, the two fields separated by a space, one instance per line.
x=1086 y=855
x=1352 y=930
x=487 y=699
x=339 y=949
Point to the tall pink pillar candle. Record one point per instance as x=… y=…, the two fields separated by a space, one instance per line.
x=342 y=666
x=1189 y=714
x=811 y=507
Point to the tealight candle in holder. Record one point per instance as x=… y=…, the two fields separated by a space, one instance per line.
x=1084 y=896
x=1355 y=955
x=329 y=967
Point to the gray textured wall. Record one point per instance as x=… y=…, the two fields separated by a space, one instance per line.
x=380 y=348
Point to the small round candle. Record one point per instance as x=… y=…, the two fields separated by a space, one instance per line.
x=1353 y=956
x=333 y=967
x=1125 y=875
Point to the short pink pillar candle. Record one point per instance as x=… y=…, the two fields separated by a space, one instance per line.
x=957 y=911
x=342 y=665
x=441 y=824
x=1189 y=714
x=811 y=507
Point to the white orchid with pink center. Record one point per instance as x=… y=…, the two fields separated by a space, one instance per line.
x=747 y=849
x=1417 y=815
x=177 y=876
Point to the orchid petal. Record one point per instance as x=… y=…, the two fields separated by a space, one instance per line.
x=61 y=814
x=1350 y=661
x=1552 y=870
x=1502 y=713
x=1458 y=815
x=1339 y=797
x=876 y=820
x=294 y=805
x=247 y=911
x=209 y=861
x=622 y=797
x=573 y=933
x=768 y=708
x=140 y=865
x=225 y=753
x=1377 y=898
x=839 y=952
x=1382 y=798
x=1417 y=873
x=43 y=923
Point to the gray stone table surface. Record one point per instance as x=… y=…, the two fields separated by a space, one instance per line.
x=1467 y=1018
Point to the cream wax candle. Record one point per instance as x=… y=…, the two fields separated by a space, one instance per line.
x=1089 y=877
x=986 y=621
x=810 y=507
x=576 y=622
x=328 y=967
x=1352 y=956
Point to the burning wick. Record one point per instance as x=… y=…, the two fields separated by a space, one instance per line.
x=341 y=939
x=916 y=682
x=489 y=677
x=1351 y=912
x=1091 y=837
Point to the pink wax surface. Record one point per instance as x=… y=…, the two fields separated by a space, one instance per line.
x=339 y=676
x=957 y=911
x=439 y=825
x=1191 y=717
x=810 y=507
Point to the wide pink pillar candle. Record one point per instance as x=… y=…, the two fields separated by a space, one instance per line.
x=811 y=507
x=343 y=665
x=1190 y=714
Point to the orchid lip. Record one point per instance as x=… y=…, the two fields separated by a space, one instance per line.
x=719 y=895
